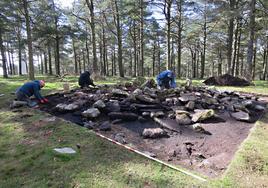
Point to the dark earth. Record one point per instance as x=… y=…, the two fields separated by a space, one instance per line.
x=206 y=145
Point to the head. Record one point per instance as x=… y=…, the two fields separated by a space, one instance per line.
x=42 y=83
x=87 y=72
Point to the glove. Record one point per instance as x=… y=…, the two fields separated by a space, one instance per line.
x=45 y=100
x=42 y=101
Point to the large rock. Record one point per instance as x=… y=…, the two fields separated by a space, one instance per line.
x=198 y=128
x=120 y=93
x=99 y=104
x=113 y=106
x=67 y=107
x=154 y=133
x=190 y=105
x=241 y=116
x=91 y=113
x=183 y=119
x=137 y=91
x=105 y=126
x=146 y=99
x=187 y=97
x=201 y=115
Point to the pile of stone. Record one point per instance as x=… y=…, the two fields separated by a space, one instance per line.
x=188 y=106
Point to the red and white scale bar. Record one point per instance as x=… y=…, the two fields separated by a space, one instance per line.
x=149 y=157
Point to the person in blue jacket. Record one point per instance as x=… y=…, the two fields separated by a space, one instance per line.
x=166 y=79
x=29 y=89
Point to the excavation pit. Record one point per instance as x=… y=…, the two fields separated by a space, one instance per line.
x=166 y=124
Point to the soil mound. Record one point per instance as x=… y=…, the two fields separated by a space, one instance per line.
x=227 y=80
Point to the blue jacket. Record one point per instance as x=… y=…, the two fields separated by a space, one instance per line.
x=31 y=88
x=164 y=75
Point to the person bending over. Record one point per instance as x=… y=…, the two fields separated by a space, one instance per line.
x=85 y=80
x=166 y=79
x=29 y=89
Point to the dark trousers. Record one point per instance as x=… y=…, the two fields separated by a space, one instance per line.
x=22 y=97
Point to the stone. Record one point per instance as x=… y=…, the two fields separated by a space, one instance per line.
x=210 y=100
x=201 y=115
x=91 y=113
x=241 y=116
x=146 y=114
x=120 y=137
x=187 y=97
x=89 y=124
x=137 y=92
x=225 y=99
x=105 y=126
x=99 y=104
x=218 y=162
x=113 y=106
x=65 y=150
x=154 y=133
x=119 y=92
x=67 y=107
x=259 y=108
x=177 y=112
x=190 y=105
x=150 y=83
x=146 y=99
x=183 y=119
x=157 y=114
x=198 y=128
x=150 y=154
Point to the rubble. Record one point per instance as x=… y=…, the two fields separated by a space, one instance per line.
x=201 y=115
x=91 y=113
x=67 y=107
x=99 y=104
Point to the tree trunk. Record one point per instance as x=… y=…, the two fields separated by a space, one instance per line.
x=93 y=34
x=230 y=36
x=84 y=60
x=75 y=59
x=49 y=58
x=219 y=62
x=45 y=61
x=179 y=5
x=119 y=41
x=154 y=51
x=238 y=48
x=167 y=9
x=251 y=39
x=235 y=48
x=265 y=61
x=29 y=40
x=3 y=53
x=254 y=60
x=141 y=61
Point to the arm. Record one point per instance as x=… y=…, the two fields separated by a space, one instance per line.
x=37 y=93
x=173 y=83
x=91 y=82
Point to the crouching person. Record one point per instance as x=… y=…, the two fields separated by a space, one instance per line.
x=85 y=80
x=166 y=80
x=29 y=89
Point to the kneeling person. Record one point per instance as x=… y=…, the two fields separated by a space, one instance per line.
x=85 y=80
x=29 y=89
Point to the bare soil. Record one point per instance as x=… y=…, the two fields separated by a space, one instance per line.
x=207 y=154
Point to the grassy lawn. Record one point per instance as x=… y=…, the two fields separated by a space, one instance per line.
x=27 y=159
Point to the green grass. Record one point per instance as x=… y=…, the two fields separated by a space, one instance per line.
x=27 y=158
